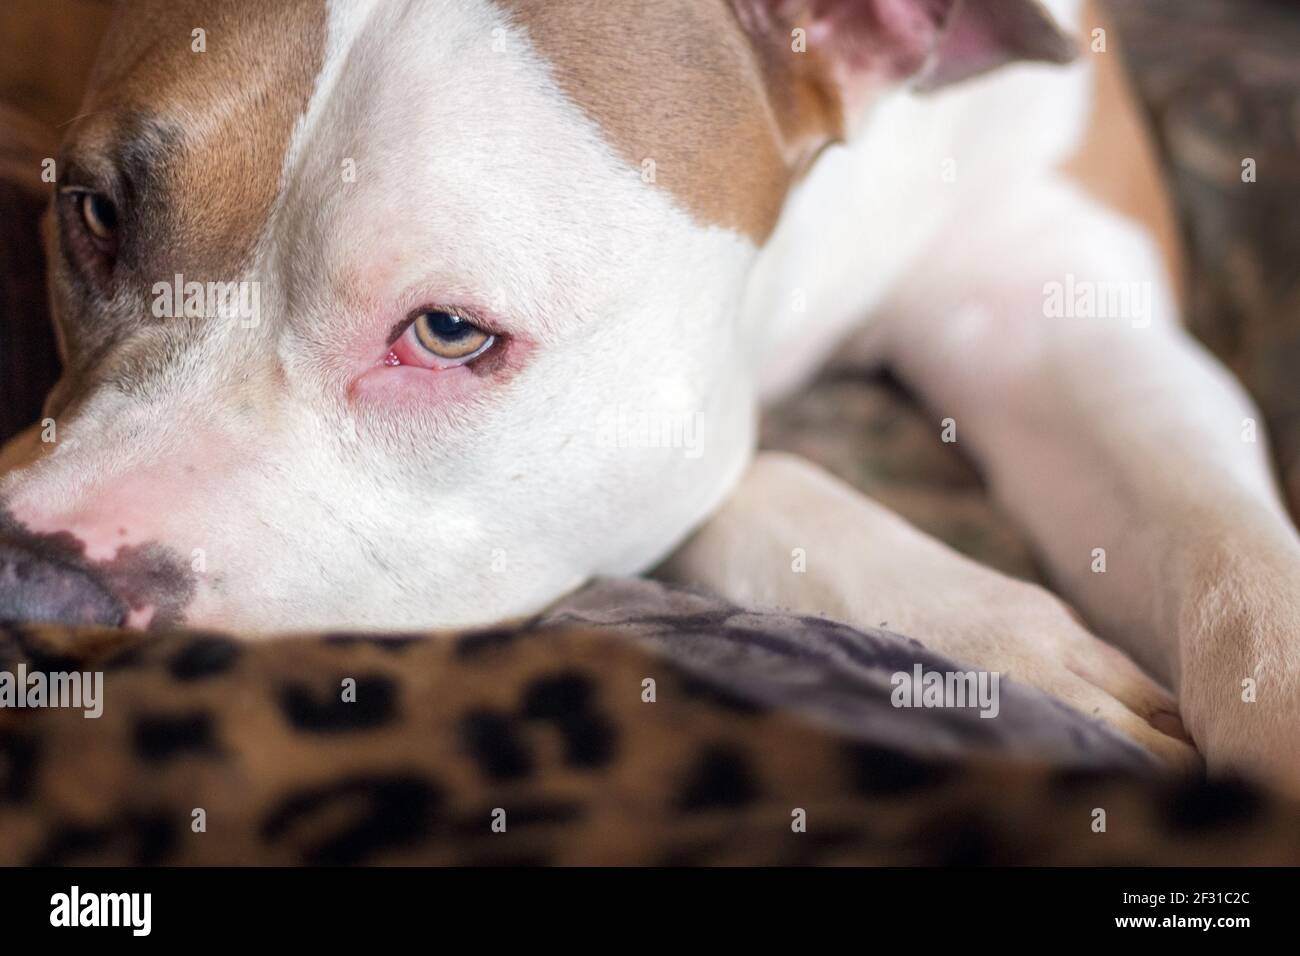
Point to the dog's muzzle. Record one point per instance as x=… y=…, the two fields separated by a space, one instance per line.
x=33 y=588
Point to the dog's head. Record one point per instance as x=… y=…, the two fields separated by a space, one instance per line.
x=420 y=312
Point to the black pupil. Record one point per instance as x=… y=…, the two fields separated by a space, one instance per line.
x=447 y=326
x=103 y=211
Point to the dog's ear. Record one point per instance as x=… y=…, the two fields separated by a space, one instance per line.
x=861 y=47
x=982 y=35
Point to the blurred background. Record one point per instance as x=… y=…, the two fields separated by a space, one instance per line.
x=46 y=50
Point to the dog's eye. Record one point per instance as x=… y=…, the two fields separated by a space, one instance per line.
x=99 y=215
x=440 y=339
x=89 y=224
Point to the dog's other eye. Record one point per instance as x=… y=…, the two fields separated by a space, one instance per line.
x=439 y=339
x=89 y=224
x=100 y=216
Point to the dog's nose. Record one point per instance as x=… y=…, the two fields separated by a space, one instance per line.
x=33 y=588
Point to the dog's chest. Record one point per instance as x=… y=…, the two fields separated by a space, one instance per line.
x=921 y=166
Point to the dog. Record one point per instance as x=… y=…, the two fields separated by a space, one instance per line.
x=421 y=313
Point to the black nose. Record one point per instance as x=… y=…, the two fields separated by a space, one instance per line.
x=33 y=588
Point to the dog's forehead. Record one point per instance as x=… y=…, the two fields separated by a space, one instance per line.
x=675 y=88
x=441 y=155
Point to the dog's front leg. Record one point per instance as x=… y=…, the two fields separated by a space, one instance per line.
x=795 y=538
x=1134 y=461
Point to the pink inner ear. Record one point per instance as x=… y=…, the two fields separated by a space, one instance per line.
x=983 y=36
x=968 y=48
x=891 y=39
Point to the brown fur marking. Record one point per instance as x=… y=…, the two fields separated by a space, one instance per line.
x=1117 y=162
x=725 y=122
x=226 y=115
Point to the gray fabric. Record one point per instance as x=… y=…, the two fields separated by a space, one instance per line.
x=839 y=677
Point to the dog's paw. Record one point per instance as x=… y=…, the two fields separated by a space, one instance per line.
x=872 y=569
x=1028 y=634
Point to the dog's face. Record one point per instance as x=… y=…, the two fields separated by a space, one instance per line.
x=400 y=313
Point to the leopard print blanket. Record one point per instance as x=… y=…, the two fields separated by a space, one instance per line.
x=674 y=731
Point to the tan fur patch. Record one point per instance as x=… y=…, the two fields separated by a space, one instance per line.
x=228 y=113
x=677 y=82
x=1118 y=163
